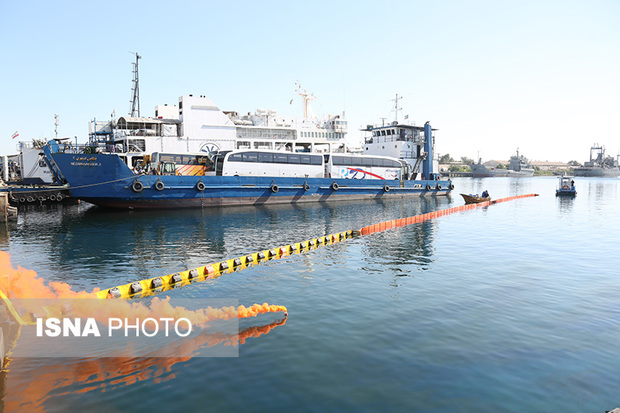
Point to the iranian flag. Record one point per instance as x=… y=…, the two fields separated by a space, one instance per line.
x=15 y=135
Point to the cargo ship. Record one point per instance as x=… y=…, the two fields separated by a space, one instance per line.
x=208 y=157
x=240 y=177
x=599 y=165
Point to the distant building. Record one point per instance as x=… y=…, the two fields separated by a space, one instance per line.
x=551 y=166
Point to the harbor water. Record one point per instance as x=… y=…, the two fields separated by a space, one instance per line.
x=511 y=307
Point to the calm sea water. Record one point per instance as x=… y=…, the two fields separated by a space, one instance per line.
x=513 y=307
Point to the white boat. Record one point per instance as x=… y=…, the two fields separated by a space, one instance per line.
x=566 y=186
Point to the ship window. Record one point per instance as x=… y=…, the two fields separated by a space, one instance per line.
x=250 y=157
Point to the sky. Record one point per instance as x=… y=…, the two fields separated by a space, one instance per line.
x=490 y=76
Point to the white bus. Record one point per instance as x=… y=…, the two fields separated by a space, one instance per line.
x=308 y=165
x=269 y=163
x=365 y=167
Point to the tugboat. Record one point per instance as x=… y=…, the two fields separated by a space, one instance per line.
x=566 y=187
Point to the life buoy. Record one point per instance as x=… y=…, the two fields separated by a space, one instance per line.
x=274 y=188
x=335 y=186
x=306 y=187
x=386 y=188
x=438 y=187
x=200 y=186
x=137 y=186
x=566 y=187
x=428 y=187
x=159 y=185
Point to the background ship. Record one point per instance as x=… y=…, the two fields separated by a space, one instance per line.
x=599 y=165
x=518 y=166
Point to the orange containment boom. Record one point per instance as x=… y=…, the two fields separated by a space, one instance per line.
x=382 y=226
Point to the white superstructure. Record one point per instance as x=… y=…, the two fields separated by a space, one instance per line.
x=197 y=124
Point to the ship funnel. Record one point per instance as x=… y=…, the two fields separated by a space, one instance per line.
x=427 y=164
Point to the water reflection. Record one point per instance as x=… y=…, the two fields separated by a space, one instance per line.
x=565 y=204
x=598 y=189
x=411 y=249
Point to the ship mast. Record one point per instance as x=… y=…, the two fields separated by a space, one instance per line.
x=307 y=98
x=135 y=103
x=396 y=108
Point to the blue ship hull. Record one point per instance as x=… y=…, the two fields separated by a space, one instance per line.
x=105 y=180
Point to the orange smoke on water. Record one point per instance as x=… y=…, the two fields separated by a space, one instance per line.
x=22 y=283
x=17 y=283
x=29 y=389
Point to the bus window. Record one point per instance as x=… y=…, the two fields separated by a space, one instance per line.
x=305 y=159
x=338 y=160
x=265 y=157
x=377 y=162
x=316 y=160
x=235 y=157
x=280 y=158
x=250 y=157
x=293 y=158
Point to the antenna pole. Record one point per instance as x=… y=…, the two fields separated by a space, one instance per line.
x=56 y=125
x=396 y=108
x=135 y=103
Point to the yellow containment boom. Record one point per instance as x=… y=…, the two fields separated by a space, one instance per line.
x=144 y=288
